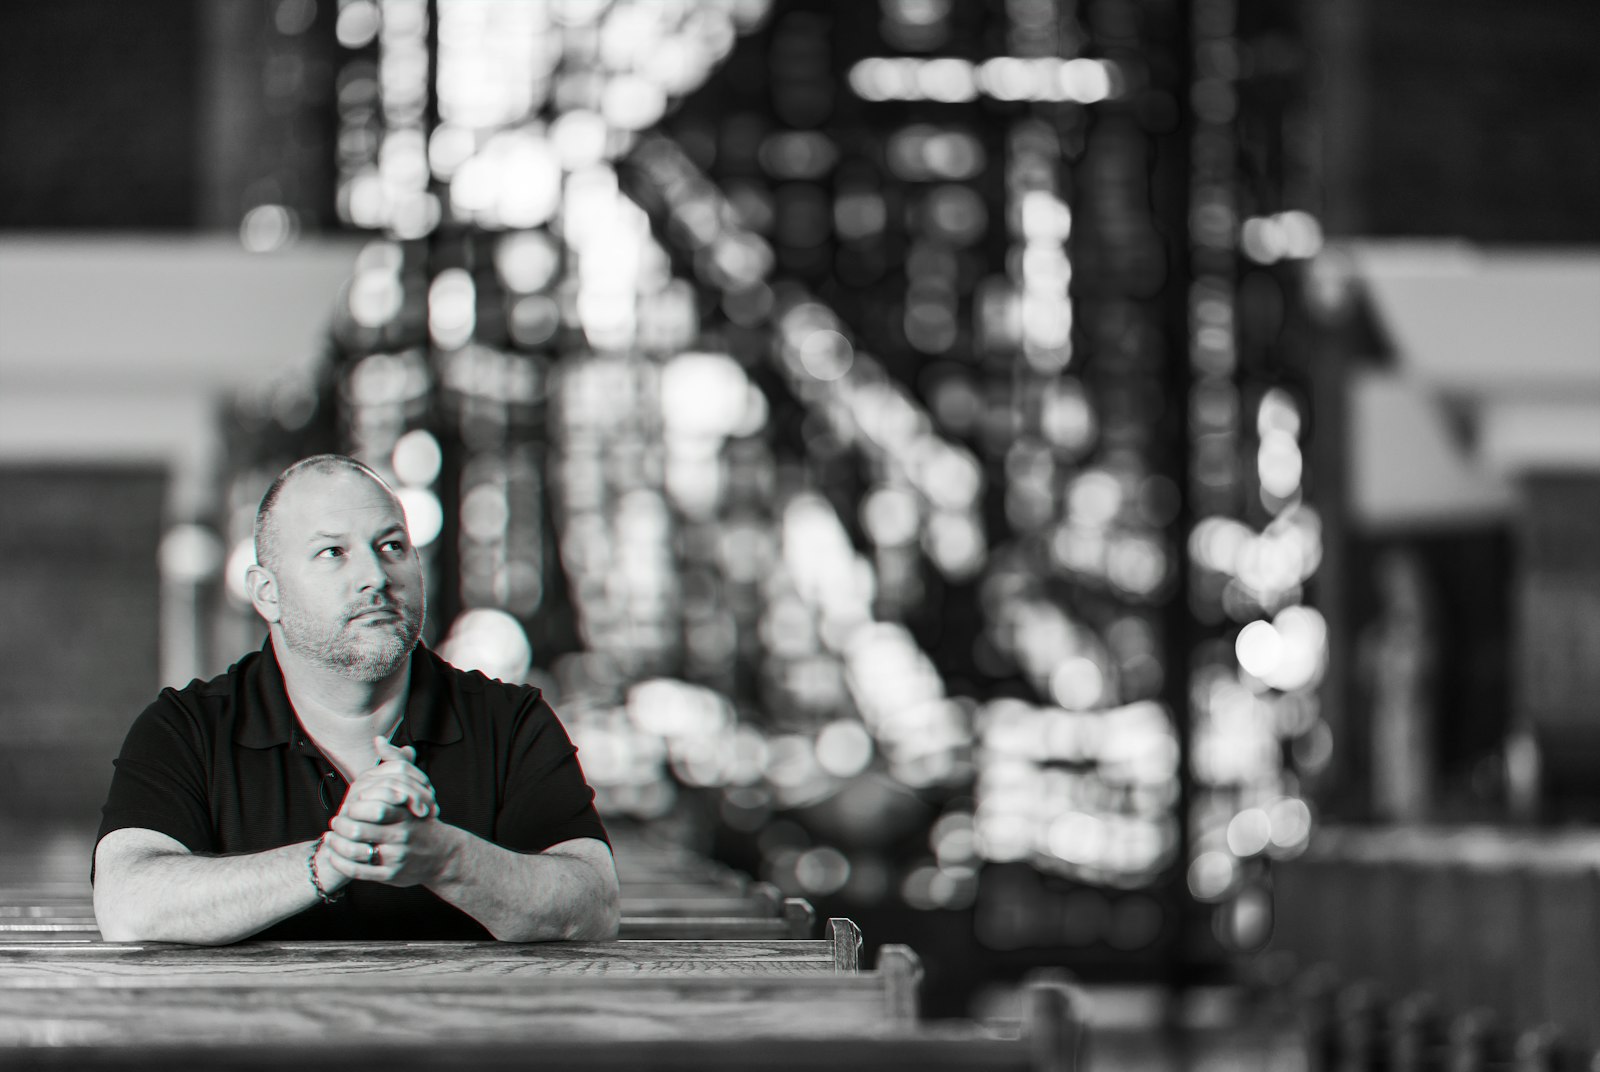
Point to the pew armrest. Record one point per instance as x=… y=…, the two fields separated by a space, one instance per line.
x=901 y=970
x=846 y=939
x=800 y=917
x=1055 y=1021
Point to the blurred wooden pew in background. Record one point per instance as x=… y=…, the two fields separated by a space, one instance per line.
x=1434 y=948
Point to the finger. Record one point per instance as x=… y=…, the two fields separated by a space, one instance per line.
x=372 y=861
x=384 y=871
x=371 y=788
x=398 y=763
x=387 y=792
x=416 y=787
x=368 y=810
x=416 y=802
x=381 y=775
x=360 y=830
x=392 y=768
x=387 y=750
x=408 y=786
x=394 y=793
x=338 y=862
x=353 y=850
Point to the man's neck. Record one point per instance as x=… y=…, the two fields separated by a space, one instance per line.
x=339 y=710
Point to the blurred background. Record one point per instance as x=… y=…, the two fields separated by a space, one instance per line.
x=1009 y=471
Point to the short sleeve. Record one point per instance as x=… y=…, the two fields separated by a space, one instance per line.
x=546 y=799
x=159 y=779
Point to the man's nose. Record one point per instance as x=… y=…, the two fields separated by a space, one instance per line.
x=373 y=573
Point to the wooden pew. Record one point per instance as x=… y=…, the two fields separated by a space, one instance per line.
x=1565 y=915
x=1463 y=947
x=1048 y=1039
x=262 y=1006
x=55 y=964
x=761 y=899
x=643 y=858
x=798 y=921
x=636 y=1004
x=805 y=1022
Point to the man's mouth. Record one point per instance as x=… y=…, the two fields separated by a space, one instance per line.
x=377 y=614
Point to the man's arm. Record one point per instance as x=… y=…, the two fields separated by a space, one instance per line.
x=568 y=892
x=150 y=887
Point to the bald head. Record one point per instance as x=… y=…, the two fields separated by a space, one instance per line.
x=269 y=547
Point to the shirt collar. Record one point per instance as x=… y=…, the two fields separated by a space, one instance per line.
x=266 y=718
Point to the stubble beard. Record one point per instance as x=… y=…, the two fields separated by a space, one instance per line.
x=355 y=650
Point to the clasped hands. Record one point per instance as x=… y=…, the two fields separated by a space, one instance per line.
x=388 y=828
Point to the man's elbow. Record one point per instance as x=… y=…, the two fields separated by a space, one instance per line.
x=150 y=927
x=129 y=905
x=597 y=918
x=606 y=919
x=116 y=930
x=117 y=919
x=122 y=917
x=597 y=922
x=600 y=916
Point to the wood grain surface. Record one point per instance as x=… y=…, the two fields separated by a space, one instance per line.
x=104 y=964
x=445 y=1008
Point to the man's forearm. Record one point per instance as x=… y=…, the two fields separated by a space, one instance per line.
x=203 y=900
x=528 y=897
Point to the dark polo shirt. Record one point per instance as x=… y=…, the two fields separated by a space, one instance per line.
x=224 y=767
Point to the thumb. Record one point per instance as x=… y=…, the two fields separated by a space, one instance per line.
x=387 y=750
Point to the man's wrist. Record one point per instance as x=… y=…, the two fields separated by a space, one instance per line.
x=328 y=880
x=452 y=841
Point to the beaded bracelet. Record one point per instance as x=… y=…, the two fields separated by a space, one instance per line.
x=316 y=881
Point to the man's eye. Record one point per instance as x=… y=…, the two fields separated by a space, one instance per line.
x=330 y=552
x=396 y=546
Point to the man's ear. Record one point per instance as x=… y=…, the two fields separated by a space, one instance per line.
x=263 y=589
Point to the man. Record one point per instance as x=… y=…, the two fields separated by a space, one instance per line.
x=344 y=782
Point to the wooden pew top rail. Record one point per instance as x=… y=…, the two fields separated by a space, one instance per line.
x=1049 y=1039
x=112 y=964
x=808 y=1034
x=1474 y=845
x=389 y=1007
x=648 y=899
x=799 y=920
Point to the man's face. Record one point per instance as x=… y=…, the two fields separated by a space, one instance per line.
x=349 y=582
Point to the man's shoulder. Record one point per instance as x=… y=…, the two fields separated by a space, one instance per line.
x=203 y=699
x=197 y=712
x=222 y=687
